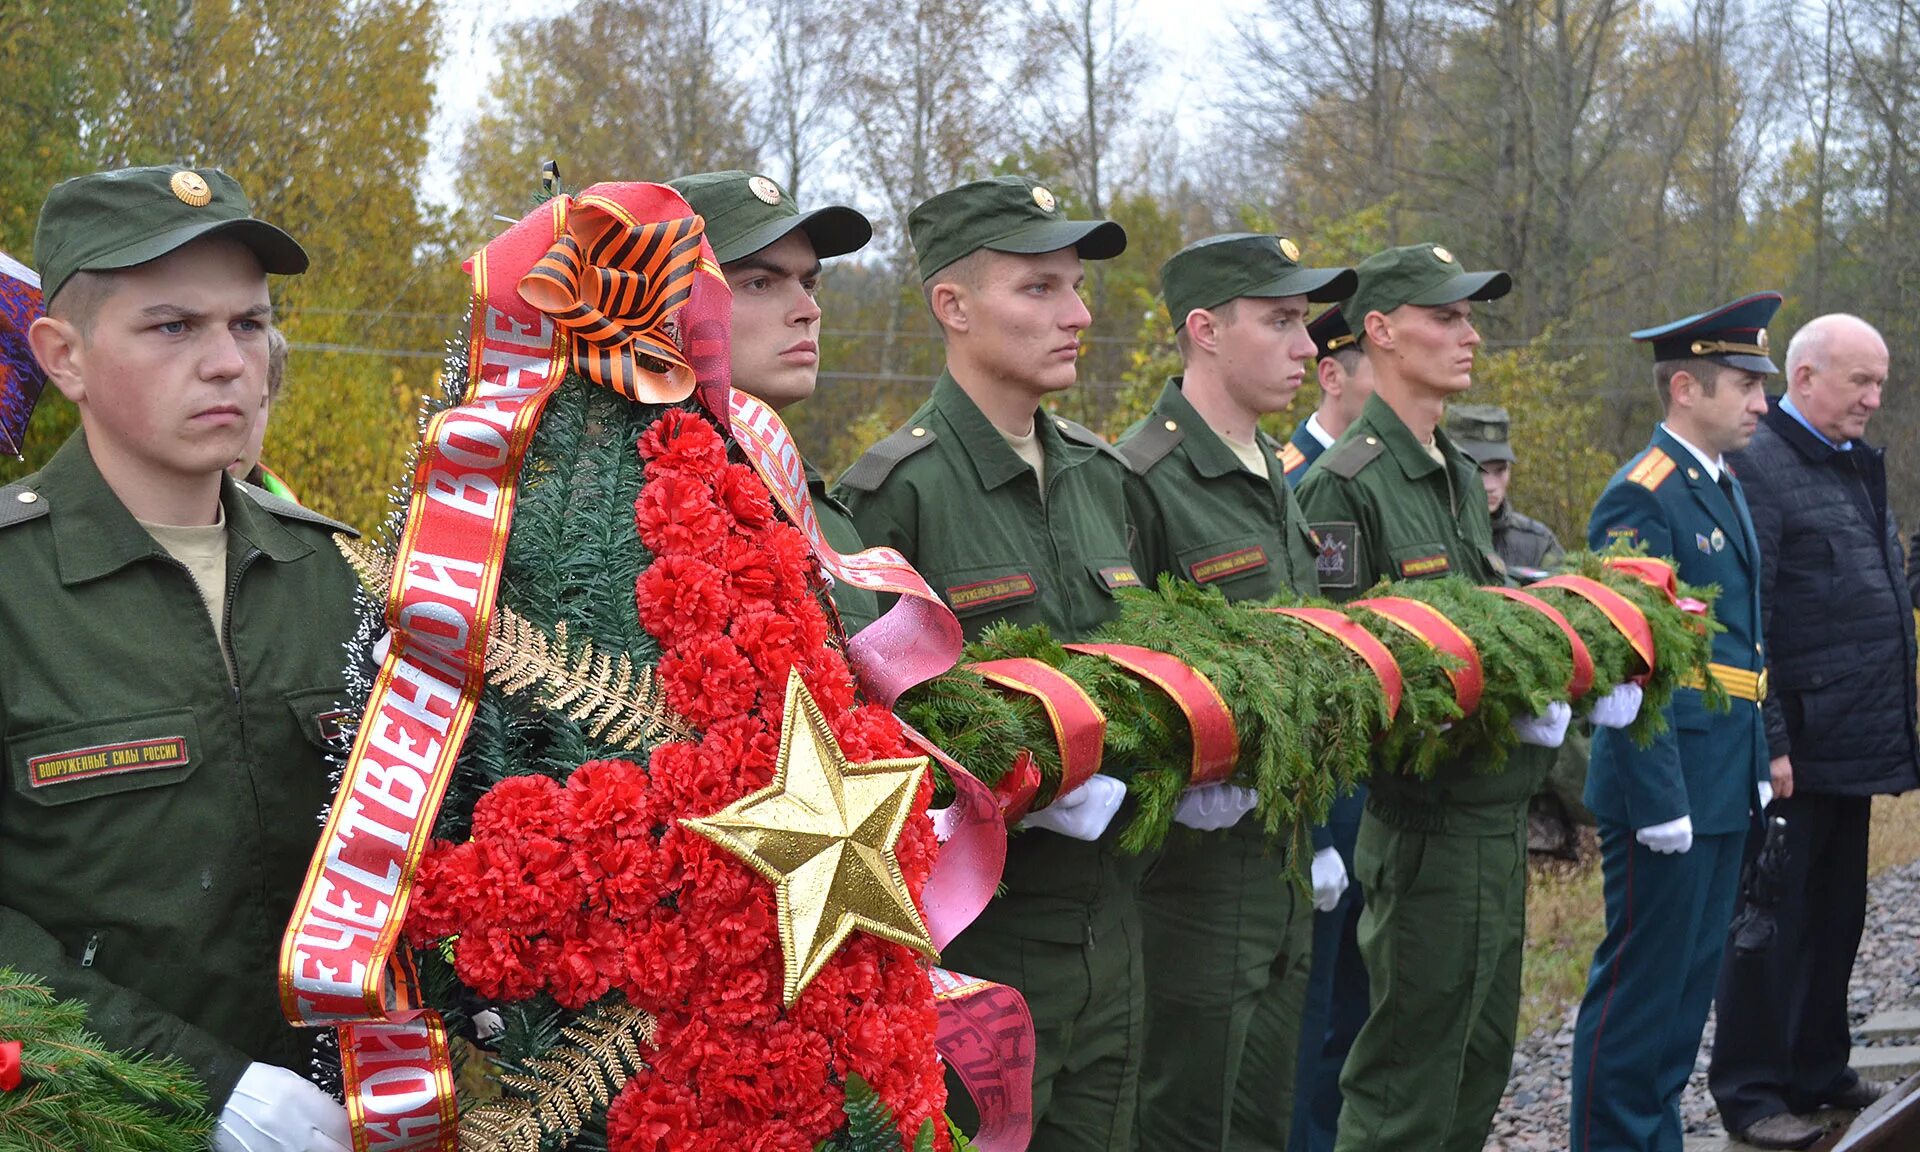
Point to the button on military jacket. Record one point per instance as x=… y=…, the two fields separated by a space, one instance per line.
x=1205 y=518
x=955 y=499
x=157 y=820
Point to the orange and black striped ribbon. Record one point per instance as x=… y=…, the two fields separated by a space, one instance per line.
x=612 y=287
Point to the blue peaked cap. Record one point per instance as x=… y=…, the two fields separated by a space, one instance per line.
x=1733 y=334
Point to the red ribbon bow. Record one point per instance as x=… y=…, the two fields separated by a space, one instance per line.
x=9 y=1065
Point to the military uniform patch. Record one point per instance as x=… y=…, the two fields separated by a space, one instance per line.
x=1652 y=471
x=332 y=726
x=1120 y=576
x=1018 y=586
x=1338 y=563
x=1434 y=565
x=1229 y=564
x=1701 y=542
x=106 y=760
x=1623 y=534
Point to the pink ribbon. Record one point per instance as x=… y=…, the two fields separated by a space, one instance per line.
x=986 y=1037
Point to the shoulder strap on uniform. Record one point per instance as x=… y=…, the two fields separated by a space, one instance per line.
x=288 y=510
x=1080 y=434
x=14 y=510
x=1150 y=445
x=1652 y=470
x=1348 y=457
x=877 y=463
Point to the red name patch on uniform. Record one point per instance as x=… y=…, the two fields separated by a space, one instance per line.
x=1424 y=566
x=1229 y=564
x=1121 y=576
x=107 y=760
x=1015 y=587
x=332 y=725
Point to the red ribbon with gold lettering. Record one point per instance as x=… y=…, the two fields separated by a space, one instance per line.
x=1582 y=679
x=1361 y=643
x=1216 y=743
x=1622 y=612
x=986 y=1036
x=340 y=959
x=1430 y=625
x=1079 y=727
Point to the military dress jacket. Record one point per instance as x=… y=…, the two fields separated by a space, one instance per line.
x=964 y=509
x=1301 y=450
x=1384 y=509
x=858 y=606
x=158 y=817
x=1707 y=765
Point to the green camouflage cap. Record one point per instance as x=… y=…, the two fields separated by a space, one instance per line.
x=746 y=212
x=1424 y=274
x=1481 y=431
x=1006 y=214
x=117 y=219
x=1210 y=272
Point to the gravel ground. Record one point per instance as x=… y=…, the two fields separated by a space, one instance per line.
x=1533 y=1115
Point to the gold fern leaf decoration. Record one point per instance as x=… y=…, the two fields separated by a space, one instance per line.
x=565 y=1086
x=616 y=703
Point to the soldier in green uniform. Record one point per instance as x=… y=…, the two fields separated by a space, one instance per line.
x=1013 y=514
x=770 y=253
x=174 y=666
x=1228 y=938
x=1531 y=552
x=1442 y=861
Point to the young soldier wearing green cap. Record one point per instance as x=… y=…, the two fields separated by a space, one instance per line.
x=1442 y=861
x=1345 y=383
x=770 y=253
x=174 y=639
x=1015 y=515
x=1228 y=939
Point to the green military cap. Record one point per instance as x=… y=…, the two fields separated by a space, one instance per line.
x=1006 y=214
x=117 y=219
x=746 y=212
x=1481 y=431
x=1424 y=274
x=1210 y=272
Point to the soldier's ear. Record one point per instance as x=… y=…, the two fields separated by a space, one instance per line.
x=61 y=350
x=1379 y=331
x=948 y=299
x=1332 y=377
x=1203 y=330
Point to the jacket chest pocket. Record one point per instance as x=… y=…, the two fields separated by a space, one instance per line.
x=1241 y=566
x=1419 y=562
x=989 y=589
x=322 y=718
x=75 y=762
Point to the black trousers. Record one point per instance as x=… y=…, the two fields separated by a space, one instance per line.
x=1782 y=1040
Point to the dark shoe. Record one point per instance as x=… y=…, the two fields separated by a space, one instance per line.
x=1782 y=1130
x=1862 y=1095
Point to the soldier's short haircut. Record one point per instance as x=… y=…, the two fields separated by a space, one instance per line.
x=1348 y=358
x=1705 y=371
x=79 y=299
x=1226 y=312
x=276 y=362
x=965 y=270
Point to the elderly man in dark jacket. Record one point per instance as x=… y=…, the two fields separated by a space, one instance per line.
x=1840 y=714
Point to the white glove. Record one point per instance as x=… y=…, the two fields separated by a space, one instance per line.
x=1547 y=730
x=1766 y=794
x=1083 y=813
x=1329 y=879
x=1618 y=708
x=380 y=648
x=274 y=1110
x=488 y=1025
x=1210 y=807
x=1673 y=836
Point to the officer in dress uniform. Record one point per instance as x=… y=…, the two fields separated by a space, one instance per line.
x=1345 y=383
x=174 y=671
x=770 y=253
x=1014 y=514
x=1228 y=939
x=1674 y=816
x=1442 y=860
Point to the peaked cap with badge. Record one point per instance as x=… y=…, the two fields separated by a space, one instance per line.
x=1481 y=431
x=105 y=221
x=1004 y=214
x=1422 y=274
x=746 y=212
x=1208 y=273
x=1733 y=334
x=1331 y=332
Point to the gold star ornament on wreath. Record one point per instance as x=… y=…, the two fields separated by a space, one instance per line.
x=824 y=834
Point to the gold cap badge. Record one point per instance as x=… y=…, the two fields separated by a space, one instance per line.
x=1043 y=198
x=767 y=191
x=1442 y=255
x=1761 y=339
x=189 y=188
x=1289 y=249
